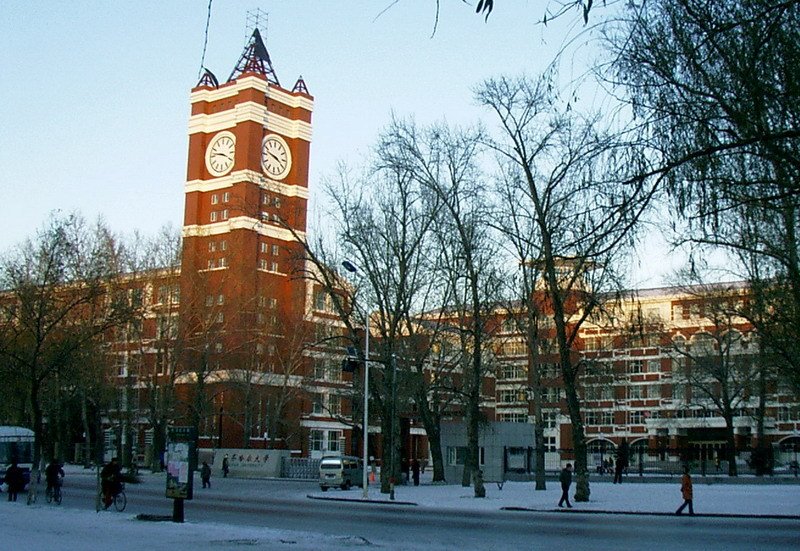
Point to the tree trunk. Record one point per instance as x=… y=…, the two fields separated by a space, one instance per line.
x=730 y=444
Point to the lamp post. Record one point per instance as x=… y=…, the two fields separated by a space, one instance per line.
x=365 y=427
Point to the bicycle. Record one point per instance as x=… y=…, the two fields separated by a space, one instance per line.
x=54 y=494
x=120 y=500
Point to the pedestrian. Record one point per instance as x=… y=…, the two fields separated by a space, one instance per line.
x=15 y=479
x=566 y=481
x=415 y=471
x=686 y=491
x=205 y=475
x=622 y=461
x=225 y=466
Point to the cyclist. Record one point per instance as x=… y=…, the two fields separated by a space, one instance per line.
x=111 y=479
x=53 y=473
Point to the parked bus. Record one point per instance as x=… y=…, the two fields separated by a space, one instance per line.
x=16 y=444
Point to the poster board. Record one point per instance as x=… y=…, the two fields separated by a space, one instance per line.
x=181 y=460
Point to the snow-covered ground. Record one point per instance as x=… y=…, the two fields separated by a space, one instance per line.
x=42 y=526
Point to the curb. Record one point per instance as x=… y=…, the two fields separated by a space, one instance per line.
x=649 y=513
x=369 y=501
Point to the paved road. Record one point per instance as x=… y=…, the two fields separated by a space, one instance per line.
x=284 y=506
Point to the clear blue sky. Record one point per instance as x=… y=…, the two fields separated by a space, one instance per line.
x=94 y=100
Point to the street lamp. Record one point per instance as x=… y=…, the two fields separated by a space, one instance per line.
x=364 y=481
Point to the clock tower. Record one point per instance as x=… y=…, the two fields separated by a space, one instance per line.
x=246 y=196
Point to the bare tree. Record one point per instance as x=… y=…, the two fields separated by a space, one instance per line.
x=444 y=162
x=582 y=215
x=58 y=286
x=713 y=90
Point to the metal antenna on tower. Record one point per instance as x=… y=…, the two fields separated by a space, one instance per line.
x=255 y=18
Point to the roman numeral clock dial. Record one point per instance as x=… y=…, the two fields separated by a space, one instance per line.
x=221 y=153
x=276 y=158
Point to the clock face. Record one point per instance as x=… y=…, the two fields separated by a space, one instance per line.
x=221 y=153
x=276 y=159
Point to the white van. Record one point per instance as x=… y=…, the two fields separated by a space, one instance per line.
x=340 y=471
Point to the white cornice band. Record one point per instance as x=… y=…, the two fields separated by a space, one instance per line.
x=241 y=223
x=249 y=111
x=260 y=85
x=251 y=176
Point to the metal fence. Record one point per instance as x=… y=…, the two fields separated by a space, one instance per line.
x=300 y=467
x=670 y=461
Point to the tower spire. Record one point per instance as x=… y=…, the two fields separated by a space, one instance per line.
x=255 y=59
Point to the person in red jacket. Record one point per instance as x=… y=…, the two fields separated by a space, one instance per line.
x=686 y=491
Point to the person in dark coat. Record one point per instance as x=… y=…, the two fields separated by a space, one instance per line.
x=415 y=471
x=205 y=475
x=686 y=491
x=53 y=474
x=566 y=481
x=15 y=479
x=622 y=461
x=225 y=467
x=111 y=481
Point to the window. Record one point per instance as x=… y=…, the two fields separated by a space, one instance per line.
x=457 y=455
x=635 y=392
x=513 y=417
x=601 y=417
x=276 y=202
x=653 y=391
x=220 y=318
x=636 y=418
x=334 y=404
x=653 y=366
x=265 y=199
x=210 y=300
x=262 y=264
x=225 y=214
x=273 y=267
x=223 y=262
x=513 y=371
x=335 y=441
x=221 y=299
x=214 y=216
x=515 y=348
x=218 y=347
x=223 y=245
x=264 y=248
x=275 y=250
x=549 y=443
x=551 y=394
x=163 y=294
x=635 y=366
x=550 y=418
x=320 y=368
x=211 y=264
x=212 y=246
x=509 y=396
x=598 y=392
x=317 y=404
x=317 y=438
x=226 y=196
x=214 y=199
x=273 y=303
